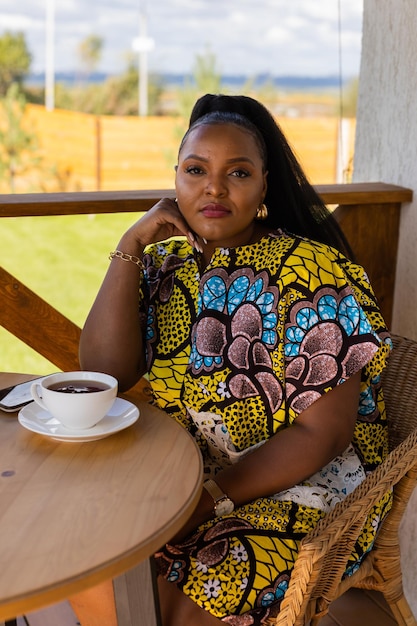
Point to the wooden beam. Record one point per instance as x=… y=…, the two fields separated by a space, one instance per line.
x=31 y=319
x=364 y=193
x=79 y=203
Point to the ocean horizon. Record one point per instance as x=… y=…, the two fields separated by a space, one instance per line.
x=288 y=82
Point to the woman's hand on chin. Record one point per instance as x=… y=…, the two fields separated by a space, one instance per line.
x=162 y=221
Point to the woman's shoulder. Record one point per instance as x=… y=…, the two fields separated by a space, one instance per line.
x=308 y=250
x=305 y=243
x=297 y=257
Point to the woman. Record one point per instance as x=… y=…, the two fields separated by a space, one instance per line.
x=264 y=341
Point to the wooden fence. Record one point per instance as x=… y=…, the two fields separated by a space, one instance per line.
x=92 y=153
x=82 y=152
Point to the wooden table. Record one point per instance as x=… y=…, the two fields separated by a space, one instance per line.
x=75 y=514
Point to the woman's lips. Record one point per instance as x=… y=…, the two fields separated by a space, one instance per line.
x=215 y=210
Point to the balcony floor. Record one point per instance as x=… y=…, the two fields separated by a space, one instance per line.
x=353 y=609
x=358 y=607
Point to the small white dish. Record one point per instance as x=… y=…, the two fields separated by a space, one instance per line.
x=38 y=420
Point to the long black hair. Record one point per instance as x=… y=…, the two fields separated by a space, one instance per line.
x=293 y=204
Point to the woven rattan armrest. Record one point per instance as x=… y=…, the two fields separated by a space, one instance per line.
x=324 y=552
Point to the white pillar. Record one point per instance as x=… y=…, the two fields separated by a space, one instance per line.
x=50 y=56
x=386 y=131
x=143 y=44
x=143 y=72
x=343 y=150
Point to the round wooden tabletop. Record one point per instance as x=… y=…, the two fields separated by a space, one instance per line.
x=75 y=514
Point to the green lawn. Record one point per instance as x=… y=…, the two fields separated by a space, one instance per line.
x=63 y=259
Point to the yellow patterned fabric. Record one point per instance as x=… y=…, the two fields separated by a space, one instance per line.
x=236 y=353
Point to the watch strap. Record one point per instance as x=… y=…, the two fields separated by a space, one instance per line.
x=214 y=490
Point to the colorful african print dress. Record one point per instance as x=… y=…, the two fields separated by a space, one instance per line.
x=236 y=353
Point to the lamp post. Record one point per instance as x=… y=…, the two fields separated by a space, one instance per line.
x=49 y=57
x=143 y=44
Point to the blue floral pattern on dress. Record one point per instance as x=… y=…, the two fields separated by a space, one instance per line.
x=150 y=328
x=217 y=295
x=236 y=329
x=367 y=402
x=347 y=313
x=323 y=348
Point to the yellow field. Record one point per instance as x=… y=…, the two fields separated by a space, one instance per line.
x=82 y=152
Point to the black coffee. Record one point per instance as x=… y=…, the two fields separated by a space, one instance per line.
x=79 y=386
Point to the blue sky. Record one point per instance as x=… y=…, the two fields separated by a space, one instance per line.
x=250 y=37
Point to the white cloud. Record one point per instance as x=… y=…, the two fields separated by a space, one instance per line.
x=15 y=22
x=278 y=35
x=247 y=36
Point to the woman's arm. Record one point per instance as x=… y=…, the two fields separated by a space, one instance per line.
x=111 y=340
x=292 y=455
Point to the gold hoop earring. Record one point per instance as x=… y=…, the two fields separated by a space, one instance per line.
x=262 y=212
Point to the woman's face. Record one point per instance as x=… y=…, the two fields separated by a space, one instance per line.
x=220 y=182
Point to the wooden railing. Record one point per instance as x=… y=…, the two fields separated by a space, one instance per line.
x=368 y=213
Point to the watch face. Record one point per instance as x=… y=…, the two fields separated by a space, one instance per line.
x=224 y=507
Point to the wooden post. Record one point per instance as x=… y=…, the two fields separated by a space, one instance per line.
x=131 y=611
x=98 y=152
x=372 y=231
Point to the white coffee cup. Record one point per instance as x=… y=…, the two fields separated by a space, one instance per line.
x=76 y=399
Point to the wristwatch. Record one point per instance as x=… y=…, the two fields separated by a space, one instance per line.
x=223 y=505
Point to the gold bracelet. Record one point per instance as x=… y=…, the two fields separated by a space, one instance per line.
x=117 y=254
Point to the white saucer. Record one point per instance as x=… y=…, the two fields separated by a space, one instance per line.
x=121 y=415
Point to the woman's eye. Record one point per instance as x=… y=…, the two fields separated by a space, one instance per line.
x=240 y=173
x=193 y=169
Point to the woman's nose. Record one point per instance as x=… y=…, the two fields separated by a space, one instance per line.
x=216 y=186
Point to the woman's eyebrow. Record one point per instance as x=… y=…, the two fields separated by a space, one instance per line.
x=239 y=159
x=195 y=156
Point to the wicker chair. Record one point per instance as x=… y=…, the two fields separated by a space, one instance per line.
x=317 y=576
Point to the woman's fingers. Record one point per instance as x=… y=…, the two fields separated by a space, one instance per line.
x=162 y=221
